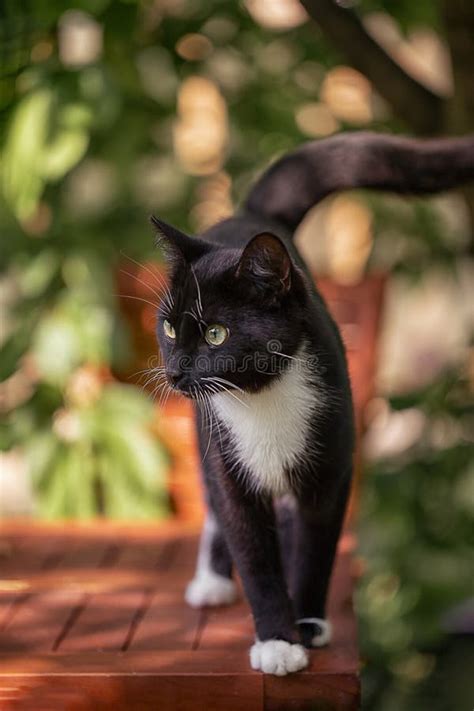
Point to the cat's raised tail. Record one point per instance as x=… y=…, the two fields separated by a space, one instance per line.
x=299 y=180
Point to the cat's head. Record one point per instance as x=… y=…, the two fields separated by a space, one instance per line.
x=231 y=317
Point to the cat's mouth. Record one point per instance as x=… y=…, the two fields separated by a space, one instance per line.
x=185 y=393
x=182 y=389
x=202 y=388
x=183 y=386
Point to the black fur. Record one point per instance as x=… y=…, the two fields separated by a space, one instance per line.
x=359 y=160
x=253 y=281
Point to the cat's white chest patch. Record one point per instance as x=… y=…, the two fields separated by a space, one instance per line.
x=270 y=429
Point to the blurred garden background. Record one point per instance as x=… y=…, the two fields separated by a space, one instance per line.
x=112 y=109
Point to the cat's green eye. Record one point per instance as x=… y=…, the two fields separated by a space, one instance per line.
x=216 y=334
x=168 y=329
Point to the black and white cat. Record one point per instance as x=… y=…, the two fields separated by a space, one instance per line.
x=244 y=332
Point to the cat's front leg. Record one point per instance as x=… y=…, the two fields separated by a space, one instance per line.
x=212 y=584
x=249 y=525
x=316 y=532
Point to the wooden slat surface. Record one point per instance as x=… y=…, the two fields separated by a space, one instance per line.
x=94 y=616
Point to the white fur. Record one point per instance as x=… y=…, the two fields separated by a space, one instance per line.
x=275 y=656
x=270 y=429
x=319 y=640
x=209 y=530
x=208 y=587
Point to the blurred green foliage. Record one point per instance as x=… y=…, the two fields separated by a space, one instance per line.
x=416 y=540
x=100 y=458
x=86 y=152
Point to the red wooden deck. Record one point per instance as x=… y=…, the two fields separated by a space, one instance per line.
x=93 y=617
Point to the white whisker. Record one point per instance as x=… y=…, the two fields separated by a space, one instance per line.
x=223 y=388
x=193 y=315
x=206 y=413
x=148 y=286
x=159 y=279
x=198 y=300
x=218 y=379
x=285 y=355
x=138 y=298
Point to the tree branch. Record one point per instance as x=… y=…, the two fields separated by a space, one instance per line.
x=459 y=27
x=414 y=103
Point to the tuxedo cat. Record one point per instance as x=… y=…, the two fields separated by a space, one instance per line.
x=244 y=332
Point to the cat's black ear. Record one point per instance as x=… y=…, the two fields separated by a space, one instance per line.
x=265 y=261
x=176 y=244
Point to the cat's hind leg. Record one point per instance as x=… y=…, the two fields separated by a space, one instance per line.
x=212 y=584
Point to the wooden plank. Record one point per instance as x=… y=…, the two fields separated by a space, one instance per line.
x=10 y=602
x=168 y=681
x=179 y=555
x=233 y=632
x=227 y=628
x=113 y=610
x=310 y=690
x=38 y=621
x=27 y=529
x=20 y=554
x=232 y=692
x=158 y=558
x=186 y=680
x=145 y=663
x=166 y=624
x=91 y=553
x=144 y=555
x=159 y=662
x=35 y=694
x=103 y=623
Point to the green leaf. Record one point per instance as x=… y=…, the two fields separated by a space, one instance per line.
x=62 y=155
x=21 y=180
x=36 y=276
x=80 y=483
x=57 y=348
x=122 y=500
x=126 y=403
x=45 y=140
x=41 y=451
x=12 y=350
x=142 y=456
x=53 y=501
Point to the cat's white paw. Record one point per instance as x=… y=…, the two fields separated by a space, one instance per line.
x=323 y=627
x=210 y=589
x=320 y=640
x=275 y=656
